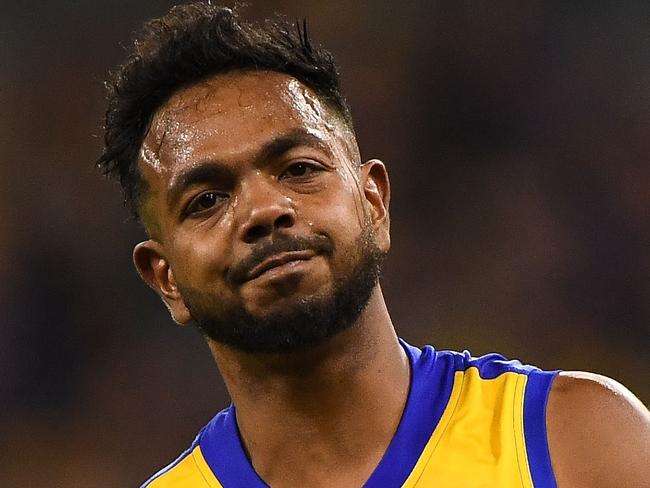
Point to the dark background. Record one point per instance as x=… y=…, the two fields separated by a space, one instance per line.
x=517 y=136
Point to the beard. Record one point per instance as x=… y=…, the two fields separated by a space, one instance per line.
x=308 y=322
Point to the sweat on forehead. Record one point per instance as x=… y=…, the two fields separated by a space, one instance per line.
x=270 y=95
x=235 y=115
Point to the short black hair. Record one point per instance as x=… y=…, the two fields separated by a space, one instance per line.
x=187 y=45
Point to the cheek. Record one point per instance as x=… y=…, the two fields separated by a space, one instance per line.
x=197 y=259
x=353 y=192
x=341 y=216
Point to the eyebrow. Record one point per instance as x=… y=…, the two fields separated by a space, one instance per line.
x=294 y=138
x=201 y=173
x=214 y=170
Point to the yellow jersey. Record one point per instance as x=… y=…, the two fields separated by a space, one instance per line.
x=468 y=423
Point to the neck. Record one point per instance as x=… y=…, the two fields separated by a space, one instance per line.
x=336 y=404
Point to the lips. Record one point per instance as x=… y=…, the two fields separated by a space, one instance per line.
x=279 y=260
x=279 y=250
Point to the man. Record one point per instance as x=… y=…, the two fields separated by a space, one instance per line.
x=236 y=150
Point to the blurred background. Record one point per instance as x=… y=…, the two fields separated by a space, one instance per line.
x=517 y=136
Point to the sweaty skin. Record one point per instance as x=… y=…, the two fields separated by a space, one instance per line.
x=342 y=399
x=598 y=432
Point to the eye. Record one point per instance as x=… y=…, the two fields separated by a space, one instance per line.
x=205 y=201
x=298 y=170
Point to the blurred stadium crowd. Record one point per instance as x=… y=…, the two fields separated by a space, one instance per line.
x=517 y=137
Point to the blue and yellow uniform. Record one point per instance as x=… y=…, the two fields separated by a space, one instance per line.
x=468 y=422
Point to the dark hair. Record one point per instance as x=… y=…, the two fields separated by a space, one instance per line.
x=190 y=43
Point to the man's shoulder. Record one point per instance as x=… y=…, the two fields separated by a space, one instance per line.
x=598 y=432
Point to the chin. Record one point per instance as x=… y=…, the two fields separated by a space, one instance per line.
x=287 y=302
x=292 y=308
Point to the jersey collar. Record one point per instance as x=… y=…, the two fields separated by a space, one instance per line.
x=429 y=390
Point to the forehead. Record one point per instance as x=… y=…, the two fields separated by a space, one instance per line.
x=232 y=114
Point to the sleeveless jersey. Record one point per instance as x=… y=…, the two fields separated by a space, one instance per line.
x=468 y=422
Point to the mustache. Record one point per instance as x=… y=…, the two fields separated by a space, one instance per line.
x=239 y=272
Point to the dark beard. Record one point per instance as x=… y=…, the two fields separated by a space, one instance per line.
x=315 y=319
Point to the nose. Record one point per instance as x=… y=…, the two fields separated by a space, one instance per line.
x=264 y=210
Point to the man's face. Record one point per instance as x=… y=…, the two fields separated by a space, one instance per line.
x=265 y=225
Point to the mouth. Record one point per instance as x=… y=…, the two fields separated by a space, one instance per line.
x=279 y=260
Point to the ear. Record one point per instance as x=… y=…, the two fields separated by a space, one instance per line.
x=376 y=188
x=155 y=271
